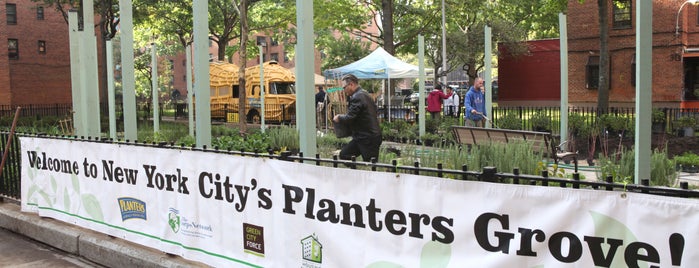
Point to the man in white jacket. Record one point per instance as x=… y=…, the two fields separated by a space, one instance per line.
x=451 y=104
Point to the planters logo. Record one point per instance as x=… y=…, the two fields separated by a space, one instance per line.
x=132 y=208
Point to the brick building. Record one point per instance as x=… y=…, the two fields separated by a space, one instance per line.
x=675 y=52
x=529 y=79
x=35 y=69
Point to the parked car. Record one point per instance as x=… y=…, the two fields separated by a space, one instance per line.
x=415 y=97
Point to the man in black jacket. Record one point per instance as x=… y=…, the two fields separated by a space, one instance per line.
x=362 y=121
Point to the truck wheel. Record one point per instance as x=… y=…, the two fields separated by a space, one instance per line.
x=253 y=117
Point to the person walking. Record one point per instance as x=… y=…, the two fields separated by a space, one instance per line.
x=320 y=107
x=475 y=104
x=451 y=104
x=434 y=101
x=362 y=121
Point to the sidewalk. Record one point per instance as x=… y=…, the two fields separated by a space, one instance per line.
x=93 y=246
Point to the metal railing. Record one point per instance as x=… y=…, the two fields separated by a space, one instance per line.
x=667 y=117
x=11 y=177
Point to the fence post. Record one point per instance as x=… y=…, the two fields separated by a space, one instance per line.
x=489 y=174
x=9 y=139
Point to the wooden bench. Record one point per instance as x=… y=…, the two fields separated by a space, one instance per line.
x=540 y=141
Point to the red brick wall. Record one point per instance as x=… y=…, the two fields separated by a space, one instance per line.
x=532 y=77
x=37 y=78
x=583 y=41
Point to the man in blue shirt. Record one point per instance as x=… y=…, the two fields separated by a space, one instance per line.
x=475 y=104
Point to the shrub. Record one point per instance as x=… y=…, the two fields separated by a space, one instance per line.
x=687 y=159
x=540 y=121
x=510 y=121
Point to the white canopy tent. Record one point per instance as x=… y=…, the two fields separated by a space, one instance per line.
x=378 y=65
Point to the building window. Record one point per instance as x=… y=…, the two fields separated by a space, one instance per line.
x=13 y=49
x=286 y=57
x=40 y=13
x=622 y=14
x=42 y=47
x=592 y=72
x=211 y=57
x=261 y=41
x=274 y=42
x=184 y=63
x=11 y=12
x=275 y=57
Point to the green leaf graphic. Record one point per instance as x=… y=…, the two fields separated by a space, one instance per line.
x=76 y=183
x=32 y=190
x=435 y=255
x=92 y=207
x=606 y=226
x=54 y=185
x=384 y=264
x=66 y=200
x=46 y=198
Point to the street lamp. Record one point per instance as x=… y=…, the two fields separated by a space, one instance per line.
x=677 y=20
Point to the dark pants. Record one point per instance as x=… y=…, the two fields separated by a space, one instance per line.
x=366 y=147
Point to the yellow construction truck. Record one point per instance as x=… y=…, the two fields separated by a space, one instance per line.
x=279 y=96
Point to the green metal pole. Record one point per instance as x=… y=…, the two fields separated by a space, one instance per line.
x=262 y=91
x=421 y=87
x=644 y=90
x=488 y=59
x=127 y=69
x=562 y=24
x=75 y=74
x=190 y=92
x=305 y=64
x=201 y=72
x=110 y=91
x=91 y=83
x=154 y=87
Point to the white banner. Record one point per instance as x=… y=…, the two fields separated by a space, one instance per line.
x=233 y=211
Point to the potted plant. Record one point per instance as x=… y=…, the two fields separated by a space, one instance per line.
x=658 y=121
x=687 y=162
x=684 y=125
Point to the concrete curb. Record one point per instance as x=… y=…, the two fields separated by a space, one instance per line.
x=96 y=247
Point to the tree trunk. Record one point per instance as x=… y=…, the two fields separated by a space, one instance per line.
x=222 y=49
x=243 y=64
x=387 y=21
x=103 y=71
x=603 y=87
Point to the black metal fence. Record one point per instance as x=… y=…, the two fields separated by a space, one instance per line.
x=11 y=176
x=524 y=118
x=58 y=109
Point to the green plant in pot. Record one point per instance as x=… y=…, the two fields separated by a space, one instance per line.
x=658 y=121
x=688 y=162
x=684 y=125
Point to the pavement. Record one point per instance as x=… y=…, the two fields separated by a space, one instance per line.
x=101 y=249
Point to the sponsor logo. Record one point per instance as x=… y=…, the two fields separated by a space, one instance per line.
x=188 y=227
x=173 y=219
x=132 y=208
x=254 y=239
x=311 y=252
